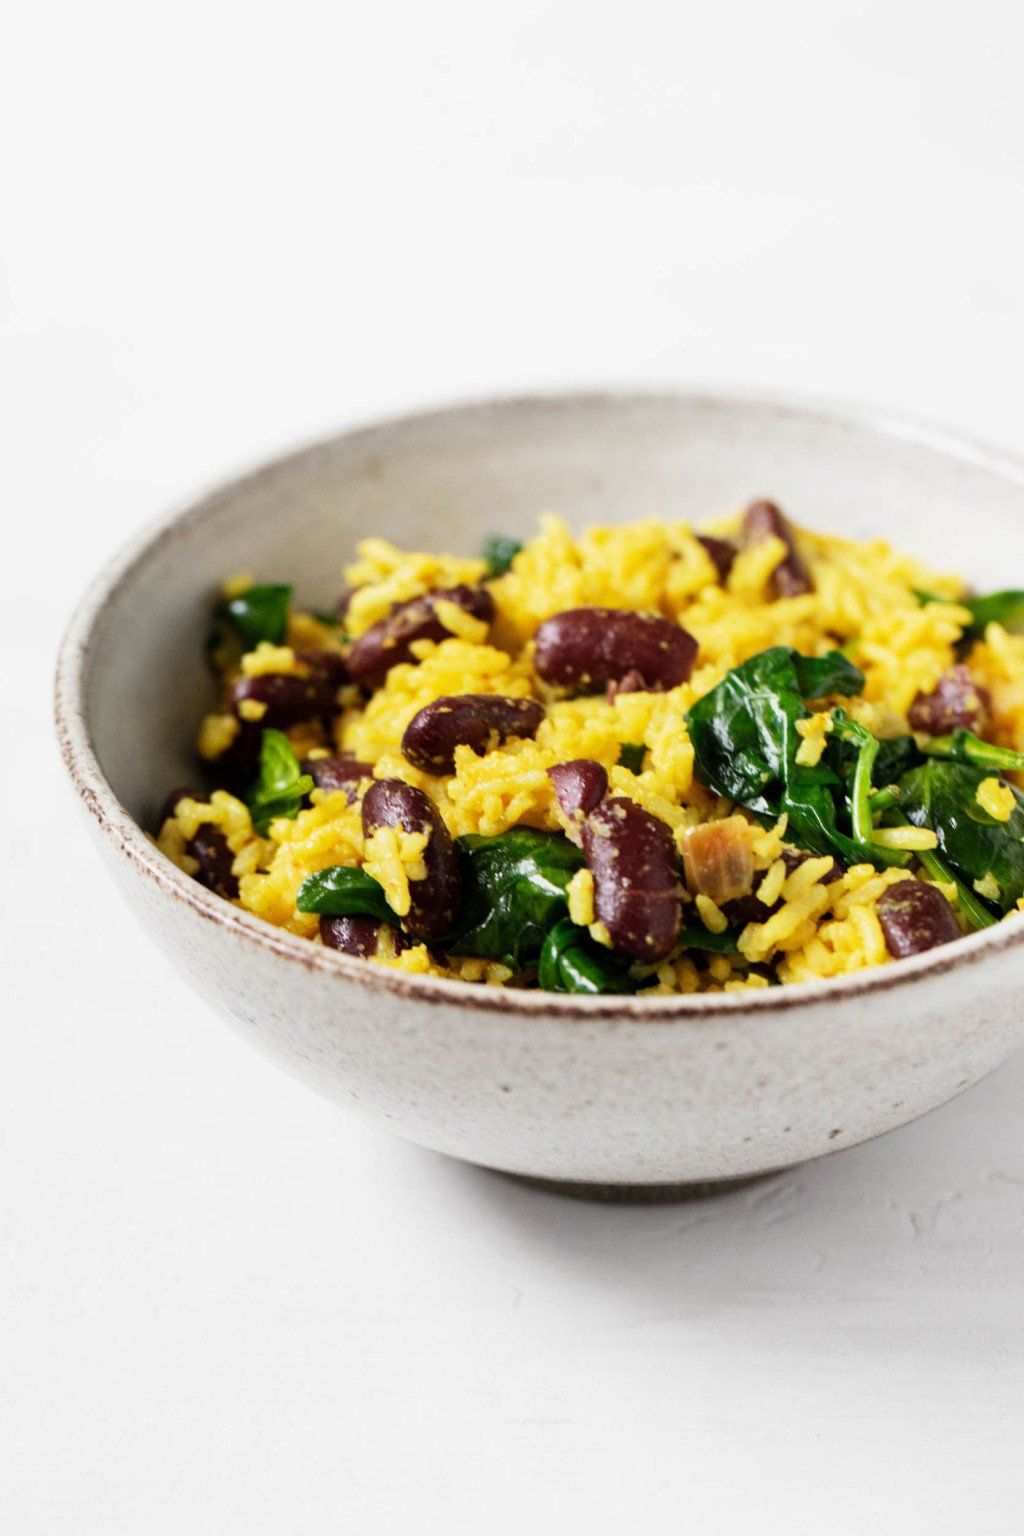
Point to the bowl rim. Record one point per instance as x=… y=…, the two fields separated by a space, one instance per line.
x=127 y=836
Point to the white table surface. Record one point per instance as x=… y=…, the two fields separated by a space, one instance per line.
x=226 y=1307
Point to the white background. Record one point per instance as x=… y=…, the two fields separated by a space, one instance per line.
x=225 y=1307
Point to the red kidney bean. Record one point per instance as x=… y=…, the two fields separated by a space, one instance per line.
x=477 y=720
x=209 y=847
x=915 y=917
x=637 y=892
x=957 y=702
x=385 y=644
x=632 y=683
x=722 y=553
x=750 y=909
x=288 y=699
x=793 y=858
x=747 y=909
x=764 y=521
x=580 y=786
x=344 y=602
x=390 y=803
x=345 y=772
x=358 y=935
x=329 y=665
x=585 y=649
x=238 y=766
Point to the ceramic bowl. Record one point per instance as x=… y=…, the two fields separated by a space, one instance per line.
x=592 y=1092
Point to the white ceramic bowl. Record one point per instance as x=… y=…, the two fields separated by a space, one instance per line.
x=588 y=1091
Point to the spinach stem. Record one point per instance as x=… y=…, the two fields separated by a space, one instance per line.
x=976 y=913
x=860 y=799
x=964 y=747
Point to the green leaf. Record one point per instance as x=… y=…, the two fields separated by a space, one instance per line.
x=570 y=961
x=631 y=756
x=513 y=891
x=896 y=756
x=499 y=553
x=745 y=742
x=1005 y=608
x=943 y=795
x=281 y=786
x=819 y=676
x=744 y=731
x=695 y=936
x=260 y=613
x=342 y=891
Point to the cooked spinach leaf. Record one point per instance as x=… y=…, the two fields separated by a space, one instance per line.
x=744 y=731
x=570 y=961
x=341 y=891
x=513 y=892
x=1005 y=608
x=695 y=936
x=745 y=742
x=281 y=785
x=833 y=673
x=499 y=553
x=631 y=755
x=943 y=795
x=259 y=613
x=896 y=756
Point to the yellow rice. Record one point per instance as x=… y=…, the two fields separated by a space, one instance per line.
x=863 y=599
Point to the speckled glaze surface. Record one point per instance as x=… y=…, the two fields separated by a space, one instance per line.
x=616 y=1091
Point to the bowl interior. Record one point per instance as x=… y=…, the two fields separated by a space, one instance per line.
x=443 y=481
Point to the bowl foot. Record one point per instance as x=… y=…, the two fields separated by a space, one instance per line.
x=638 y=1194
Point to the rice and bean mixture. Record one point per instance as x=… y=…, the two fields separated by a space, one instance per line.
x=645 y=759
